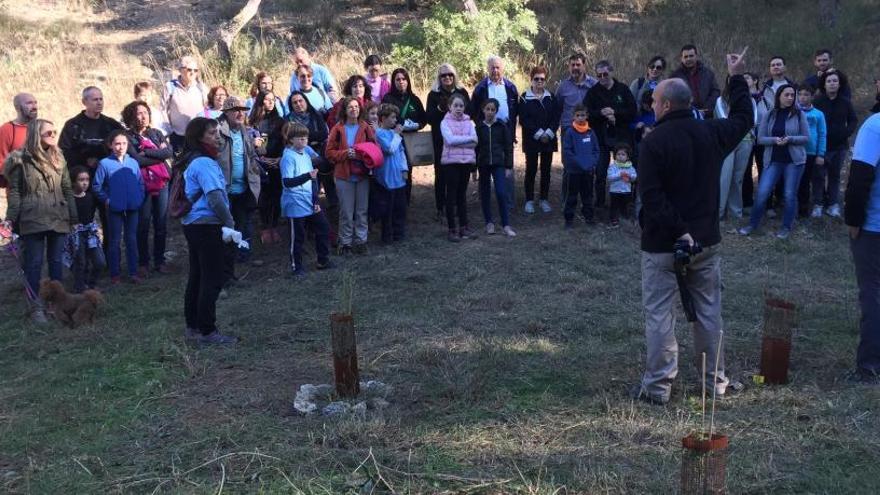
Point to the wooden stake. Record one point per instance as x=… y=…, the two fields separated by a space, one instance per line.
x=714 y=390
x=345 y=362
x=703 y=420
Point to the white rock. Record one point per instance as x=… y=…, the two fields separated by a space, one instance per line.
x=336 y=409
x=359 y=409
x=305 y=407
x=306 y=392
x=379 y=403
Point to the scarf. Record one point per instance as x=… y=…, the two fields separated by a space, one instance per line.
x=581 y=128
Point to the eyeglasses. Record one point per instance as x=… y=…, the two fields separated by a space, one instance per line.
x=49 y=134
x=656 y=67
x=444 y=76
x=602 y=74
x=538 y=79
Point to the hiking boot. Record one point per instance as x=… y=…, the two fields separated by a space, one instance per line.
x=639 y=393
x=115 y=280
x=490 y=229
x=453 y=236
x=216 y=338
x=467 y=233
x=509 y=232
x=38 y=316
x=191 y=334
x=343 y=250
x=298 y=273
x=529 y=207
x=783 y=234
x=747 y=230
x=817 y=212
x=326 y=265
x=359 y=249
x=833 y=211
x=545 y=206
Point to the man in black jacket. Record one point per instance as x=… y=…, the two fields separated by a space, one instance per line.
x=82 y=138
x=679 y=177
x=612 y=108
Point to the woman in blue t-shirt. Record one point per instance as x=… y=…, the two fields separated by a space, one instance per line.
x=205 y=188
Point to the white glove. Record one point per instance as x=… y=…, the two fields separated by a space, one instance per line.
x=230 y=235
x=409 y=125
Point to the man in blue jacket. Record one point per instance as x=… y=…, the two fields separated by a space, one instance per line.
x=679 y=173
x=495 y=85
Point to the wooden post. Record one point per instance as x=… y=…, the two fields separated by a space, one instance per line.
x=345 y=364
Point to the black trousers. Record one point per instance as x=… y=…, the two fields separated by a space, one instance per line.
x=455 y=179
x=804 y=202
x=270 y=199
x=390 y=210
x=439 y=184
x=574 y=185
x=619 y=203
x=748 y=189
x=206 y=276
x=602 y=174
x=317 y=223
x=532 y=160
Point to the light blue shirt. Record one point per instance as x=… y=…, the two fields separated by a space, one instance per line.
x=390 y=174
x=321 y=77
x=499 y=92
x=237 y=175
x=867 y=150
x=203 y=175
x=319 y=100
x=298 y=201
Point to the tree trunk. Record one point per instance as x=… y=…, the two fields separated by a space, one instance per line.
x=230 y=29
x=828 y=12
x=470 y=7
x=345 y=363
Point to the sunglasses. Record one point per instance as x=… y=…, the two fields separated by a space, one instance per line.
x=538 y=79
x=656 y=67
x=49 y=134
x=443 y=76
x=603 y=74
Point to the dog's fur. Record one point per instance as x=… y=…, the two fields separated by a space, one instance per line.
x=71 y=309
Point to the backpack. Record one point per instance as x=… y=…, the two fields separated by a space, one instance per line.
x=179 y=205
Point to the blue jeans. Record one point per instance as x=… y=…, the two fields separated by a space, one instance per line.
x=32 y=261
x=155 y=208
x=122 y=223
x=496 y=175
x=791 y=173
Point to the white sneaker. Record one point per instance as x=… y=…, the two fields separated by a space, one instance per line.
x=530 y=207
x=545 y=206
x=509 y=231
x=490 y=228
x=817 y=212
x=833 y=211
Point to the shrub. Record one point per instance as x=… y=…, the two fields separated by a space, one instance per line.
x=500 y=27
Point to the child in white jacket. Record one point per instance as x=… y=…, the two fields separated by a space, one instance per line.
x=621 y=175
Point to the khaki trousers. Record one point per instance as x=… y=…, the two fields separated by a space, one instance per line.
x=659 y=297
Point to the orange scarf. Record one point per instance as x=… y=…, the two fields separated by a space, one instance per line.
x=581 y=128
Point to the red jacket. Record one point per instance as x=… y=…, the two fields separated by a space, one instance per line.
x=337 y=147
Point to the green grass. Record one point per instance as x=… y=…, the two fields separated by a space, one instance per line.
x=510 y=361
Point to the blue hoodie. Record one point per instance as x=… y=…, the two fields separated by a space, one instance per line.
x=580 y=152
x=390 y=174
x=818 y=131
x=120 y=182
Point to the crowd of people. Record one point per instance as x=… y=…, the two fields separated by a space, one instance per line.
x=323 y=161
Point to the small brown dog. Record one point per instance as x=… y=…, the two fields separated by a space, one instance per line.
x=71 y=309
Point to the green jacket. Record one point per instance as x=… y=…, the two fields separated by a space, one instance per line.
x=40 y=197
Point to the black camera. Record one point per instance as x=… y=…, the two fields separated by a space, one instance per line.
x=683 y=251
x=681 y=257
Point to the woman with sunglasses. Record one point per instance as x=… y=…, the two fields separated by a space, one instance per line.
x=318 y=98
x=41 y=206
x=444 y=87
x=539 y=118
x=653 y=76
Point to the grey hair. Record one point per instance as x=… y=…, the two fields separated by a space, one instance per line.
x=604 y=64
x=89 y=89
x=494 y=58
x=678 y=94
